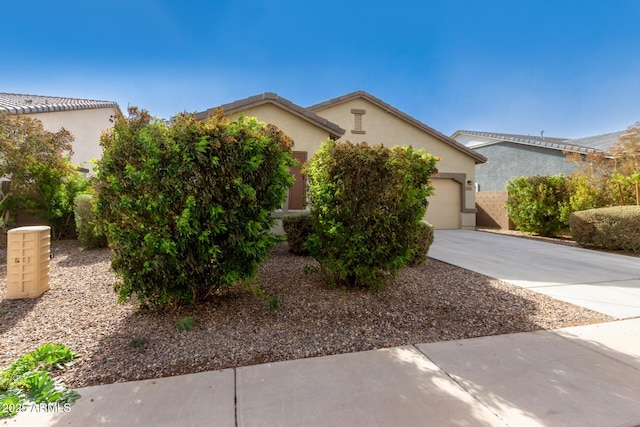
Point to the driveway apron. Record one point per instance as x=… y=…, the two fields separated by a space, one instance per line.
x=604 y=282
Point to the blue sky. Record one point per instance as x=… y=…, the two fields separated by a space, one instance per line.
x=570 y=68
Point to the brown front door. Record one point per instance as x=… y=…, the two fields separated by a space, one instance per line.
x=297 y=193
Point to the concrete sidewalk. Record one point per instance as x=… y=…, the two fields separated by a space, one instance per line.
x=604 y=282
x=581 y=376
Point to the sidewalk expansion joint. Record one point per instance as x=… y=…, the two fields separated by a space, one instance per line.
x=459 y=384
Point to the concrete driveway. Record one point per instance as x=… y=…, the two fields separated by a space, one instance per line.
x=604 y=282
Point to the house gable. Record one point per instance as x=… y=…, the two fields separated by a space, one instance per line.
x=368 y=119
x=272 y=103
x=382 y=123
x=307 y=130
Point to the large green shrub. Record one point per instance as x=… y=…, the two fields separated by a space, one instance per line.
x=298 y=229
x=616 y=227
x=366 y=206
x=186 y=205
x=423 y=240
x=539 y=204
x=89 y=235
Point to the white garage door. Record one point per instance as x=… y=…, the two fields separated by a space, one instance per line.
x=445 y=205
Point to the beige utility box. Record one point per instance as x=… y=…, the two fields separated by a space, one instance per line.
x=28 y=250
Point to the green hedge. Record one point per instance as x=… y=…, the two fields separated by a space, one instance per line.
x=616 y=227
x=539 y=204
x=424 y=240
x=89 y=235
x=298 y=229
x=366 y=206
x=187 y=204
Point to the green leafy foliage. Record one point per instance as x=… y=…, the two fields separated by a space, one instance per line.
x=423 y=241
x=185 y=324
x=539 y=204
x=27 y=380
x=607 y=179
x=44 y=182
x=366 y=207
x=89 y=234
x=298 y=229
x=615 y=227
x=186 y=205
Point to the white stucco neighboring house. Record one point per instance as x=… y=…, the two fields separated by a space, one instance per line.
x=86 y=119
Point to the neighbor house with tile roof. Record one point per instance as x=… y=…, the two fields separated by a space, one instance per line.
x=358 y=117
x=86 y=119
x=510 y=155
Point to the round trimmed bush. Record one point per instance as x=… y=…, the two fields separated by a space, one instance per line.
x=366 y=207
x=616 y=227
x=187 y=205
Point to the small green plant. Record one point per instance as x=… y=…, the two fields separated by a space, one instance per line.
x=273 y=302
x=27 y=380
x=185 y=324
x=89 y=234
x=423 y=241
x=298 y=229
x=7 y=311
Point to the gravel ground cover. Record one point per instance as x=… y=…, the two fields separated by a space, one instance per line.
x=116 y=342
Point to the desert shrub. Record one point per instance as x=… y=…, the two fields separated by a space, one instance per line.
x=298 y=229
x=89 y=234
x=186 y=205
x=616 y=227
x=424 y=239
x=366 y=207
x=588 y=193
x=44 y=181
x=539 y=204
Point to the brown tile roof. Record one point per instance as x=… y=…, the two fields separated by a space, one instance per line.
x=273 y=98
x=15 y=103
x=479 y=158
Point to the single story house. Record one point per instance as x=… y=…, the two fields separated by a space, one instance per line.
x=360 y=116
x=84 y=118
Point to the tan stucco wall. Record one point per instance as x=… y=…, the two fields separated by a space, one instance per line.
x=385 y=128
x=306 y=136
x=86 y=127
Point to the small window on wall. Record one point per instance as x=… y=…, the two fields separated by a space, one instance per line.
x=357 y=121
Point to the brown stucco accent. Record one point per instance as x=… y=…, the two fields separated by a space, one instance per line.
x=460 y=178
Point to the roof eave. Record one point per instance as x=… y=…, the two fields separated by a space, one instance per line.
x=333 y=129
